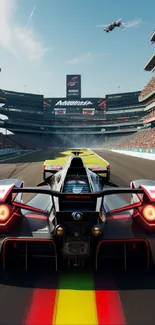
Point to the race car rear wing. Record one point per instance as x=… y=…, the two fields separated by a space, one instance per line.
x=100 y=194
x=79 y=197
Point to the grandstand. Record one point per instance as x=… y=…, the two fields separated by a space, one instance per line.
x=147 y=96
x=36 y=121
x=150 y=66
x=145 y=138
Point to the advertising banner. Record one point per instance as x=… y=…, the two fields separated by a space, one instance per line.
x=73 y=86
x=60 y=111
x=74 y=102
x=88 y=111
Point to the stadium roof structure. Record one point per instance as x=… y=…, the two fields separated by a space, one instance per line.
x=150 y=66
x=2 y=96
x=152 y=39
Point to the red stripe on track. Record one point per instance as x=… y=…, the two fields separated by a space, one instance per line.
x=41 y=311
x=108 y=303
x=109 y=308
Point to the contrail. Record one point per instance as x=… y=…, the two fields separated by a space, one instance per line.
x=31 y=15
x=132 y=23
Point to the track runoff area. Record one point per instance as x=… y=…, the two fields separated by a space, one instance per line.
x=77 y=297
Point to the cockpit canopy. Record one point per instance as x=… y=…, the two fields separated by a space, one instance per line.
x=76 y=162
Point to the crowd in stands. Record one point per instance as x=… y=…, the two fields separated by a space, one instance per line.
x=143 y=139
x=149 y=88
x=6 y=143
x=149 y=115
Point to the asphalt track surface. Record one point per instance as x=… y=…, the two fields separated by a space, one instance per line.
x=125 y=168
x=136 y=291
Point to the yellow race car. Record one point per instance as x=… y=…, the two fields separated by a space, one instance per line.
x=93 y=165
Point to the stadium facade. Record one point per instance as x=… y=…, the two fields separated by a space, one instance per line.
x=71 y=120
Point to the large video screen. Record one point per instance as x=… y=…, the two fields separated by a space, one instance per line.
x=73 y=86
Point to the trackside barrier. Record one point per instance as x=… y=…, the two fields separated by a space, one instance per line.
x=9 y=151
x=4 y=152
x=135 y=150
x=16 y=154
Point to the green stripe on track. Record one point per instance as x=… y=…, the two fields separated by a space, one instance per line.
x=77 y=280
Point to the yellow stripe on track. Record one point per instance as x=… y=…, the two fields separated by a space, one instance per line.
x=76 y=306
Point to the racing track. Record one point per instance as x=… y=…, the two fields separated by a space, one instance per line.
x=30 y=300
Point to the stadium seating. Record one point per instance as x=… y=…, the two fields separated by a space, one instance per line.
x=32 y=141
x=149 y=115
x=150 y=87
x=143 y=139
x=6 y=143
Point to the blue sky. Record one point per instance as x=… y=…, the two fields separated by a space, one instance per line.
x=43 y=40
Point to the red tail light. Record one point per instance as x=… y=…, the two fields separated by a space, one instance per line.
x=5 y=213
x=148 y=213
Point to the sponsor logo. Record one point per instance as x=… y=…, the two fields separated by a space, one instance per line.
x=103 y=103
x=49 y=167
x=73 y=82
x=73 y=103
x=73 y=90
x=78 y=197
x=77 y=216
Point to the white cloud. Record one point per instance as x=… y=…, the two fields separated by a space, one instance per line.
x=87 y=57
x=30 y=46
x=81 y=59
x=20 y=40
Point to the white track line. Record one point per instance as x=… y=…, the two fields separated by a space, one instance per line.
x=99 y=156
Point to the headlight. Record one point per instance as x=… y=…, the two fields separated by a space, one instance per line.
x=59 y=230
x=96 y=231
